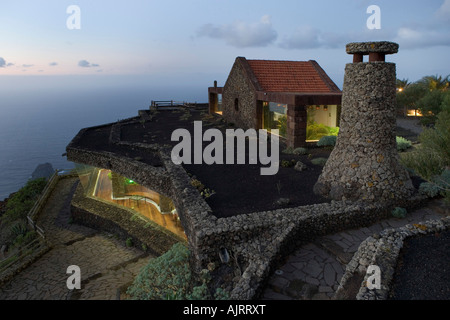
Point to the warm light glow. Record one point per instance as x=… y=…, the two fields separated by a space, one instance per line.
x=413 y=113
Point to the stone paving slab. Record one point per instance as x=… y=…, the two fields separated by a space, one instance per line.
x=106 y=264
x=317 y=268
x=46 y=278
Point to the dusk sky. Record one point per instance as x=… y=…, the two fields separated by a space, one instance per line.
x=197 y=41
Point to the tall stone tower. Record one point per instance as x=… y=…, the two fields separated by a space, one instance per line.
x=364 y=163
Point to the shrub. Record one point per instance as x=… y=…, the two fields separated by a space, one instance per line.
x=21 y=202
x=169 y=277
x=399 y=212
x=327 y=141
x=430 y=106
x=429 y=189
x=403 y=144
x=129 y=242
x=288 y=150
x=19 y=228
x=438 y=186
x=319 y=161
x=197 y=184
x=165 y=276
x=315 y=131
x=288 y=163
x=300 y=151
x=24 y=239
x=433 y=155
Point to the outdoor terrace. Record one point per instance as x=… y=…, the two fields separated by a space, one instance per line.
x=238 y=188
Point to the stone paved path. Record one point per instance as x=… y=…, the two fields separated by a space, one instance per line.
x=313 y=271
x=106 y=264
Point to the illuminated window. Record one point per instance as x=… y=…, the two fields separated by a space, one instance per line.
x=275 y=117
x=322 y=121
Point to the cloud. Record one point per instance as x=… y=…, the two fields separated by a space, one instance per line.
x=242 y=34
x=412 y=38
x=429 y=33
x=27 y=65
x=3 y=63
x=86 y=64
x=443 y=13
x=307 y=37
x=52 y=64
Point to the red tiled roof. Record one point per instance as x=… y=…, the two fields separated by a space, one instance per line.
x=292 y=76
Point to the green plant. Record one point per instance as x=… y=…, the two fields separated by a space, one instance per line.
x=129 y=242
x=206 y=193
x=430 y=106
x=319 y=161
x=169 y=277
x=18 y=228
x=433 y=155
x=327 y=141
x=288 y=150
x=288 y=163
x=315 y=131
x=403 y=144
x=24 y=239
x=429 y=189
x=197 y=184
x=300 y=151
x=398 y=212
x=22 y=201
x=438 y=186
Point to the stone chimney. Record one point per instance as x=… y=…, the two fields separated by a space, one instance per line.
x=364 y=163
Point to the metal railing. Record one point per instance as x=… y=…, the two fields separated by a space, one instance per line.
x=169 y=104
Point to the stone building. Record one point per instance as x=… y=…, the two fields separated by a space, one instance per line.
x=364 y=163
x=283 y=95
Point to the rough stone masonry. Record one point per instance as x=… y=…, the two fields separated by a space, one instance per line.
x=365 y=163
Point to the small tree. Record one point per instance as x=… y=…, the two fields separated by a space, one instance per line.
x=409 y=96
x=431 y=105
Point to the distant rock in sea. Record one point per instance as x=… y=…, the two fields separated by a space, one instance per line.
x=44 y=170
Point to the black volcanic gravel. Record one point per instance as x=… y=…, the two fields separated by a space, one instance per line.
x=423 y=270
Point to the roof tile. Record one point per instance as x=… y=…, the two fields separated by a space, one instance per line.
x=292 y=76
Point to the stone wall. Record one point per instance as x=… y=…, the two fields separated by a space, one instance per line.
x=125 y=223
x=382 y=250
x=239 y=87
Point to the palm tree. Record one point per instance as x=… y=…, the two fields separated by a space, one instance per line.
x=436 y=82
x=402 y=84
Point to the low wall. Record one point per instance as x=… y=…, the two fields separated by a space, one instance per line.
x=383 y=250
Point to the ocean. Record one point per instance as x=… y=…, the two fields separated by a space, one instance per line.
x=39 y=116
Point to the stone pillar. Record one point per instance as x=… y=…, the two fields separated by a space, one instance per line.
x=364 y=163
x=296 y=126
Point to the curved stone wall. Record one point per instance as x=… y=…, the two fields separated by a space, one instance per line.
x=383 y=251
